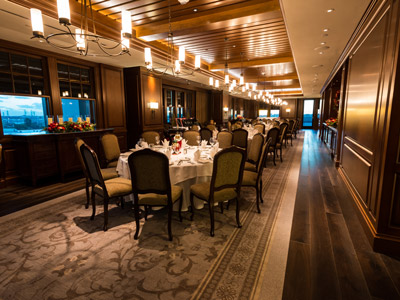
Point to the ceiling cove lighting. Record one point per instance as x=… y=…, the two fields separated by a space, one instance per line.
x=80 y=40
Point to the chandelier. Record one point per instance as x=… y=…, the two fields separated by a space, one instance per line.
x=81 y=40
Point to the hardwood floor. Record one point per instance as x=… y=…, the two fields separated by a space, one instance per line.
x=329 y=255
x=21 y=196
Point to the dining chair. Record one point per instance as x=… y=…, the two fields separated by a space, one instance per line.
x=240 y=138
x=150 y=137
x=191 y=137
x=206 y=134
x=111 y=149
x=225 y=182
x=224 y=139
x=290 y=132
x=107 y=189
x=107 y=173
x=151 y=184
x=254 y=178
x=254 y=155
x=280 y=141
x=195 y=127
x=296 y=128
x=273 y=133
x=211 y=127
x=281 y=127
x=229 y=126
x=260 y=128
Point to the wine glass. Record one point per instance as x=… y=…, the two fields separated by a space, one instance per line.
x=212 y=141
x=157 y=140
x=140 y=142
x=198 y=139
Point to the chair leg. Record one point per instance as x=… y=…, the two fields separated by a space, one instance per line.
x=237 y=213
x=258 y=198
x=221 y=205
x=87 y=194
x=261 y=185
x=136 y=212
x=211 y=208
x=169 y=222
x=192 y=207
x=180 y=208
x=93 y=205
x=274 y=158
x=280 y=153
x=122 y=203
x=146 y=212
x=105 y=213
x=291 y=140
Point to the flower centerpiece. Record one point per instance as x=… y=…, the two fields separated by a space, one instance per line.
x=69 y=126
x=331 y=122
x=177 y=143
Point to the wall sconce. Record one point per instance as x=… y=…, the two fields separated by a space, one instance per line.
x=226 y=109
x=288 y=110
x=153 y=105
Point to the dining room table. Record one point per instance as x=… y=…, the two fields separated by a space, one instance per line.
x=184 y=170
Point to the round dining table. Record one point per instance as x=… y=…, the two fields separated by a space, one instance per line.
x=184 y=171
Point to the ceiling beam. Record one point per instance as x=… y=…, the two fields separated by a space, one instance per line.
x=242 y=13
x=252 y=63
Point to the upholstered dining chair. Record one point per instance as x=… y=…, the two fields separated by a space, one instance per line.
x=229 y=126
x=191 y=137
x=225 y=182
x=206 y=134
x=211 y=127
x=254 y=178
x=281 y=128
x=240 y=138
x=111 y=149
x=290 y=132
x=151 y=137
x=107 y=173
x=254 y=154
x=280 y=141
x=273 y=133
x=195 y=127
x=151 y=184
x=260 y=128
x=224 y=139
x=107 y=189
x=296 y=128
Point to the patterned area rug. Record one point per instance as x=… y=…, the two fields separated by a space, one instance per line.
x=58 y=253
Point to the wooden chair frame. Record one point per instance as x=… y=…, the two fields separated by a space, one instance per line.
x=238 y=132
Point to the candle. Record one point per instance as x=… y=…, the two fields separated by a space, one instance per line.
x=60 y=120
x=49 y=120
x=79 y=119
x=88 y=119
x=70 y=120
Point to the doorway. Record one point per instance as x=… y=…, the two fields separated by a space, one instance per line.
x=308 y=113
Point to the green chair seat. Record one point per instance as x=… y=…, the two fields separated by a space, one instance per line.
x=202 y=191
x=112 y=164
x=156 y=199
x=116 y=187
x=109 y=173
x=250 y=167
x=249 y=178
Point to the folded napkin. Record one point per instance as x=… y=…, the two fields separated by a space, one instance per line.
x=196 y=155
x=184 y=143
x=215 y=133
x=203 y=143
x=137 y=147
x=168 y=153
x=165 y=143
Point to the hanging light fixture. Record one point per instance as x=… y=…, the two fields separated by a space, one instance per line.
x=217 y=83
x=211 y=81
x=241 y=80
x=181 y=54
x=197 y=62
x=81 y=41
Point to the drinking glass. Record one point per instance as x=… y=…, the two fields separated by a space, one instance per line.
x=212 y=141
x=157 y=140
x=198 y=139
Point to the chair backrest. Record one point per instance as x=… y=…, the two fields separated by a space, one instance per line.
x=211 y=127
x=205 y=134
x=291 y=126
x=149 y=172
x=240 y=138
x=255 y=148
x=273 y=133
x=110 y=146
x=229 y=126
x=191 y=137
x=224 y=139
x=260 y=128
x=228 y=169
x=282 y=131
x=239 y=123
x=263 y=158
x=150 y=136
x=92 y=166
x=78 y=143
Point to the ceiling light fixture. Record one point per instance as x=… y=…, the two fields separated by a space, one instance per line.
x=330 y=10
x=326 y=30
x=183 y=2
x=81 y=41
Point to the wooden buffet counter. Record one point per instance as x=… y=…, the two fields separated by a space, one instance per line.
x=53 y=154
x=329 y=137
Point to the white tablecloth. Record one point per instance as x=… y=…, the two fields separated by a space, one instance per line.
x=184 y=175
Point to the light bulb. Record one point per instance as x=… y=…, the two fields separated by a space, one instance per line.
x=217 y=83
x=64 y=13
x=80 y=39
x=227 y=79
x=147 y=56
x=182 y=54
x=211 y=81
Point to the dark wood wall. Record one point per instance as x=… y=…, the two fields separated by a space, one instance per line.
x=108 y=94
x=369 y=126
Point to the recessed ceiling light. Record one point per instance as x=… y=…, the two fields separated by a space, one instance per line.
x=321 y=52
x=234 y=46
x=195 y=9
x=323 y=43
x=326 y=29
x=330 y=10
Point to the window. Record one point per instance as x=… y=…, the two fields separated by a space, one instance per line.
x=178 y=104
x=274 y=113
x=21 y=74
x=263 y=113
x=23 y=114
x=76 y=90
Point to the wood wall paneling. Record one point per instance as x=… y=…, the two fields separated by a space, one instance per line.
x=202 y=106
x=152 y=92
